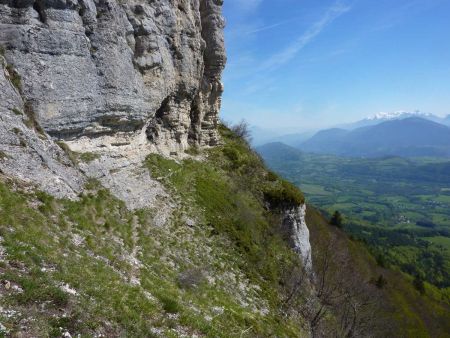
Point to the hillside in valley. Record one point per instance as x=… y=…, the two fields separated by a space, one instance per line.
x=127 y=209
x=408 y=137
x=398 y=206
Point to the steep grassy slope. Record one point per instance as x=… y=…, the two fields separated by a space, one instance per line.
x=220 y=267
x=91 y=267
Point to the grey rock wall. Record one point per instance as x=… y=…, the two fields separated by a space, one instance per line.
x=27 y=154
x=105 y=67
x=294 y=224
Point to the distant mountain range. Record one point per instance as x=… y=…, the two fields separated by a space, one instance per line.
x=399 y=115
x=409 y=137
x=263 y=136
x=277 y=152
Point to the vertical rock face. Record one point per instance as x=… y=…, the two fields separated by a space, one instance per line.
x=26 y=153
x=294 y=225
x=107 y=67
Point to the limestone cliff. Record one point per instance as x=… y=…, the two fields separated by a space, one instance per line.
x=117 y=79
x=107 y=67
x=294 y=224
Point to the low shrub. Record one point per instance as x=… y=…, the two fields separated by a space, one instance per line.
x=272 y=177
x=191 y=278
x=284 y=194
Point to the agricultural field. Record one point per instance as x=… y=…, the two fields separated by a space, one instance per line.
x=399 y=207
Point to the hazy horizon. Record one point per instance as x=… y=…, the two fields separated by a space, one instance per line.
x=301 y=65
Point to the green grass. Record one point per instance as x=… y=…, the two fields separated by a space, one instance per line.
x=85 y=244
x=440 y=240
x=233 y=205
x=236 y=251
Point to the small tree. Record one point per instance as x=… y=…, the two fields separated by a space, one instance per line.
x=381 y=282
x=336 y=219
x=242 y=130
x=419 y=284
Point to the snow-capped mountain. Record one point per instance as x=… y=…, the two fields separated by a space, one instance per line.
x=398 y=115
x=410 y=137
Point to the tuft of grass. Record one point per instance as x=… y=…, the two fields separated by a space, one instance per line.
x=88 y=157
x=14 y=77
x=193 y=151
x=73 y=156
x=22 y=142
x=16 y=111
x=32 y=121
x=170 y=305
x=37 y=287
x=3 y=155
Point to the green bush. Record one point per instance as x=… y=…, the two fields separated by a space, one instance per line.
x=284 y=194
x=380 y=282
x=231 y=153
x=272 y=177
x=419 y=285
x=336 y=219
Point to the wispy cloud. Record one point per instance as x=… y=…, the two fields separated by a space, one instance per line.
x=268 y=27
x=287 y=54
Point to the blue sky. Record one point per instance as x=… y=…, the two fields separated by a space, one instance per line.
x=295 y=65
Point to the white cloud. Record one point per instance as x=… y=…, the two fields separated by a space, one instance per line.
x=293 y=49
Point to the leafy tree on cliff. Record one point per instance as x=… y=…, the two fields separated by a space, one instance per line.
x=336 y=219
